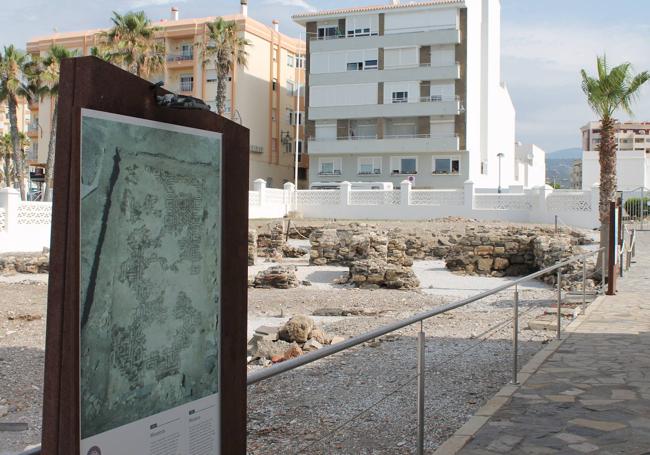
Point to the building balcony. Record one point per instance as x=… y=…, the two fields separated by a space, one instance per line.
x=180 y=60
x=426 y=38
x=402 y=143
x=32 y=130
x=420 y=72
x=427 y=106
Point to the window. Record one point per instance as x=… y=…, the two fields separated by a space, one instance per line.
x=291 y=88
x=275 y=84
x=446 y=166
x=404 y=165
x=187 y=82
x=187 y=51
x=327 y=32
x=355 y=66
x=370 y=65
x=359 y=32
x=290 y=61
x=400 y=97
x=300 y=62
x=329 y=166
x=369 y=165
x=293 y=117
x=274 y=115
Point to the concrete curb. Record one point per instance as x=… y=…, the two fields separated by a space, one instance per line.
x=467 y=432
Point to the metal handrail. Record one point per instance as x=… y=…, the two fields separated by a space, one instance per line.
x=292 y=364
x=288 y=365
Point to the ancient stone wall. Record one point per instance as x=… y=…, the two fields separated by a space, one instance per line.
x=511 y=251
x=24 y=263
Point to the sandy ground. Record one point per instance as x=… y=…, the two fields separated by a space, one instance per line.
x=368 y=391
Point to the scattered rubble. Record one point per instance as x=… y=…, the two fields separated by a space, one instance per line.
x=298 y=335
x=252 y=246
x=11 y=263
x=374 y=274
x=289 y=251
x=277 y=276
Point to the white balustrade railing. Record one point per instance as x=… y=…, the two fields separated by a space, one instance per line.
x=503 y=201
x=317 y=197
x=437 y=197
x=34 y=212
x=253 y=198
x=275 y=197
x=375 y=197
x=569 y=201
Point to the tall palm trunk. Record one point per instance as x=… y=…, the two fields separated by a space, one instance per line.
x=7 y=168
x=51 y=149
x=19 y=164
x=607 y=159
x=221 y=92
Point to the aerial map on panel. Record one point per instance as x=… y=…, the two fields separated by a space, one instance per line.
x=149 y=290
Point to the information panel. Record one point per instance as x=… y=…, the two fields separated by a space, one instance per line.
x=150 y=220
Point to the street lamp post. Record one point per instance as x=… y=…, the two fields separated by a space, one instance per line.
x=499 y=155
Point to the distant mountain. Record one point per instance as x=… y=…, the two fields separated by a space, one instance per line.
x=558 y=171
x=565 y=154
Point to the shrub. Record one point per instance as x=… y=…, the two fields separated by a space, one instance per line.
x=635 y=207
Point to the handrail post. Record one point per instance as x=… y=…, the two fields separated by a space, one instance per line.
x=559 y=303
x=602 y=272
x=515 y=335
x=584 y=281
x=420 y=366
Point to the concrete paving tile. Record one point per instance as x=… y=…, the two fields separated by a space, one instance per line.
x=537 y=450
x=585 y=447
x=623 y=394
x=570 y=438
x=642 y=422
x=601 y=425
x=561 y=398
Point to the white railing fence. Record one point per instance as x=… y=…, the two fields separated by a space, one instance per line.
x=536 y=205
x=25 y=226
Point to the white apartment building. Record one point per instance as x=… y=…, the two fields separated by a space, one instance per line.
x=632 y=158
x=409 y=91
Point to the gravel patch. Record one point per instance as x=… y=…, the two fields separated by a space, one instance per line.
x=369 y=391
x=22 y=344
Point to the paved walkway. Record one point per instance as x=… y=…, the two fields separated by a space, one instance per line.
x=592 y=395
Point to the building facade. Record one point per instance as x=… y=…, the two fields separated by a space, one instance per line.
x=262 y=95
x=409 y=91
x=530 y=165
x=632 y=158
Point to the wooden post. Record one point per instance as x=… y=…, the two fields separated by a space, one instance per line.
x=612 y=272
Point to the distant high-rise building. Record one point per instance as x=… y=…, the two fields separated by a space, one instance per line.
x=633 y=154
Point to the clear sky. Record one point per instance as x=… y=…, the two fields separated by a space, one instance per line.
x=544 y=42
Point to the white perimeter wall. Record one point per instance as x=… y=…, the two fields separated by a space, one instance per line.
x=632 y=169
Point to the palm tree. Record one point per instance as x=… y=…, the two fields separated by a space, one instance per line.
x=43 y=75
x=223 y=49
x=12 y=85
x=5 y=150
x=613 y=89
x=132 y=44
